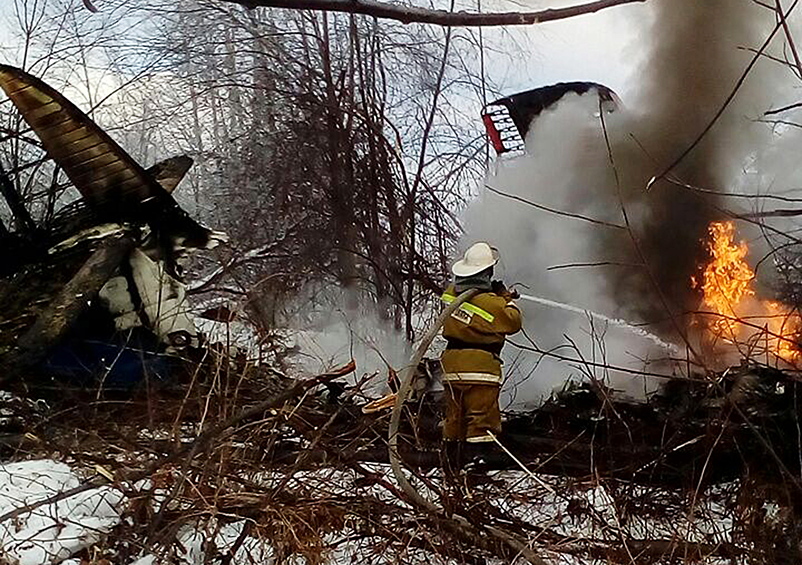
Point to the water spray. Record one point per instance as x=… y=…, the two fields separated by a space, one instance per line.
x=612 y=321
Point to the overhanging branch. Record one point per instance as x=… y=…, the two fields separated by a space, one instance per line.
x=413 y=14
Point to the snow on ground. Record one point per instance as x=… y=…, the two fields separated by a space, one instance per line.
x=52 y=532
x=55 y=532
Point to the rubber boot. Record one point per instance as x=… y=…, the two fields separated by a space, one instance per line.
x=452 y=456
x=479 y=459
x=474 y=456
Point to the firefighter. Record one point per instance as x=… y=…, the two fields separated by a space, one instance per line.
x=475 y=335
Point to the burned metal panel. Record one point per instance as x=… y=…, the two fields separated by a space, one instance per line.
x=507 y=120
x=170 y=172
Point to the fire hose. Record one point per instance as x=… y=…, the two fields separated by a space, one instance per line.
x=407 y=379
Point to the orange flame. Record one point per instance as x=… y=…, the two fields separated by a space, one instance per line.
x=755 y=326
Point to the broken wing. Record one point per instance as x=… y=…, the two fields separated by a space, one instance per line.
x=114 y=186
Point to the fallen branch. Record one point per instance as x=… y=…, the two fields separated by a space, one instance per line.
x=218 y=430
x=407 y=379
x=458 y=523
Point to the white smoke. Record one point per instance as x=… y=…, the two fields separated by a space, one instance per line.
x=333 y=329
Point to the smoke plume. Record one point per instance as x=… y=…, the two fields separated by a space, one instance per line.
x=698 y=52
x=693 y=56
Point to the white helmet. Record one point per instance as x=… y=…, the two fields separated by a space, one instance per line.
x=477 y=258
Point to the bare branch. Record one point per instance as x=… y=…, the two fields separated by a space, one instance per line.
x=553 y=210
x=413 y=14
x=89 y=6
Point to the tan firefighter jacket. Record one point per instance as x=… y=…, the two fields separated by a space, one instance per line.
x=475 y=333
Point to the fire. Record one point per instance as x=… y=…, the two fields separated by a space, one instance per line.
x=755 y=326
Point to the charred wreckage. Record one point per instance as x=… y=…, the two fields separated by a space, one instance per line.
x=95 y=289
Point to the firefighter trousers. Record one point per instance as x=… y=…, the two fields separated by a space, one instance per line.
x=471 y=410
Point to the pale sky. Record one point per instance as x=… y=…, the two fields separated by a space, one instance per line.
x=601 y=47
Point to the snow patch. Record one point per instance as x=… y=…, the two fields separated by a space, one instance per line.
x=52 y=532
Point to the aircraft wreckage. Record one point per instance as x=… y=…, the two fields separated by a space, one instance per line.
x=94 y=289
x=508 y=120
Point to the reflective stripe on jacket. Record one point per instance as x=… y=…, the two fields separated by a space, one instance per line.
x=483 y=378
x=484 y=321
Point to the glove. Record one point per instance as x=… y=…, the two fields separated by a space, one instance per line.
x=499 y=288
x=510 y=294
